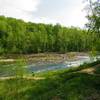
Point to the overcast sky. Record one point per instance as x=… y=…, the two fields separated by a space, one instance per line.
x=65 y=12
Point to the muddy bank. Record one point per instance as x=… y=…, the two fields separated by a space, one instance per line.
x=43 y=57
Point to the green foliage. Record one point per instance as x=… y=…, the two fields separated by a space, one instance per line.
x=33 y=74
x=60 y=86
x=19 y=68
x=17 y=36
x=94 y=16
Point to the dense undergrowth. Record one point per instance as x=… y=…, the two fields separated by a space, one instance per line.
x=59 y=85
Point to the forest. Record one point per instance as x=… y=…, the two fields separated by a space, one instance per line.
x=50 y=61
x=17 y=36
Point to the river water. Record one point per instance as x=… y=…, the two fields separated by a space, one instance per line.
x=10 y=70
x=65 y=64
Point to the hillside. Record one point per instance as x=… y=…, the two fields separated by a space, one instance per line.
x=19 y=37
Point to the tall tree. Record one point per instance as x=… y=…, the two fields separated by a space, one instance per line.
x=94 y=16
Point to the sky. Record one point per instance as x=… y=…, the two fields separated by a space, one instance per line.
x=64 y=12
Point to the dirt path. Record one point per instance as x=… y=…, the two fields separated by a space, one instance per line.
x=88 y=70
x=91 y=70
x=24 y=77
x=7 y=60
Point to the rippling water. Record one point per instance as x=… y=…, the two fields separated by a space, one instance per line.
x=10 y=70
x=47 y=66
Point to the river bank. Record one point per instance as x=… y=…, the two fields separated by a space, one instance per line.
x=36 y=63
x=76 y=83
x=43 y=57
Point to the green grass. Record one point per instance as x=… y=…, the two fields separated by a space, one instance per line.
x=59 y=85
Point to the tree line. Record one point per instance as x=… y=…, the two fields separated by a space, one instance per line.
x=17 y=36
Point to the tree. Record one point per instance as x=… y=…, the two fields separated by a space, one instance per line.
x=94 y=16
x=17 y=36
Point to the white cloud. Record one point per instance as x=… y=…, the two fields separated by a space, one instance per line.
x=65 y=12
x=18 y=8
x=75 y=16
x=45 y=20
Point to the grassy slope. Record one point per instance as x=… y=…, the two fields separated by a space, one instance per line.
x=65 y=85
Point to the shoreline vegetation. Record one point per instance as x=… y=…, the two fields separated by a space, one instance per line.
x=85 y=68
x=80 y=83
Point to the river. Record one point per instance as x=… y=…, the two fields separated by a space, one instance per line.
x=65 y=64
x=10 y=70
